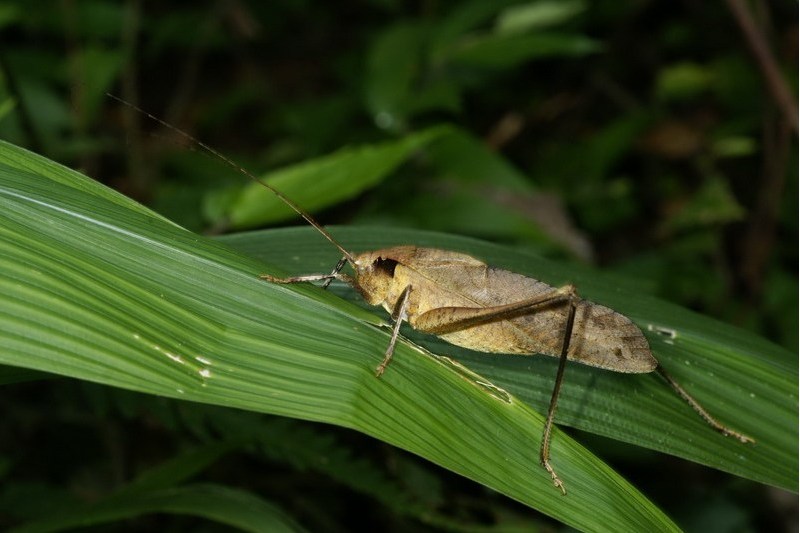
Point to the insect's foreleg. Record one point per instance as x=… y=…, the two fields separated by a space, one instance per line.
x=338 y=268
x=310 y=277
x=544 y=451
x=710 y=420
x=399 y=315
x=328 y=278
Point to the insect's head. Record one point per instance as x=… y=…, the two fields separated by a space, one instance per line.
x=374 y=275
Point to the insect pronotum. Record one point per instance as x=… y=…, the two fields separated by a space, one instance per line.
x=469 y=304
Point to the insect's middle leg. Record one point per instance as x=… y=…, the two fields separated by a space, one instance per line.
x=399 y=315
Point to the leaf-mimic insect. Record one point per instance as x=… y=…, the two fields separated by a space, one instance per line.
x=469 y=304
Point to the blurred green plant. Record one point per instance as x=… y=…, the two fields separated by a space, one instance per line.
x=639 y=137
x=98 y=289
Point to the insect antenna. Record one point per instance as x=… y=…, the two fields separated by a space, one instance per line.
x=230 y=162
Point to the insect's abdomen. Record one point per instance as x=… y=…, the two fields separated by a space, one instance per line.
x=601 y=337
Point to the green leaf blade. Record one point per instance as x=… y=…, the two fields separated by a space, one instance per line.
x=737 y=376
x=209 y=331
x=324 y=181
x=236 y=508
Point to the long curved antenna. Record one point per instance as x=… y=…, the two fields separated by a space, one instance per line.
x=244 y=171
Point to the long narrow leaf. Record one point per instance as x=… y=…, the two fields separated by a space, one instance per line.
x=100 y=291
x=747 y=382
x=232 y=507
x=324 y=181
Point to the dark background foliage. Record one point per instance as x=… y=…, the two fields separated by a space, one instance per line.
x=651 y=139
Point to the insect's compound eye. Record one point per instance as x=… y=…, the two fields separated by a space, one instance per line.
x=385 y=265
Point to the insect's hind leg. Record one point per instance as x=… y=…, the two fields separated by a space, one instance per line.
x=700 y=410
x=450 y=319
x=544 y=451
